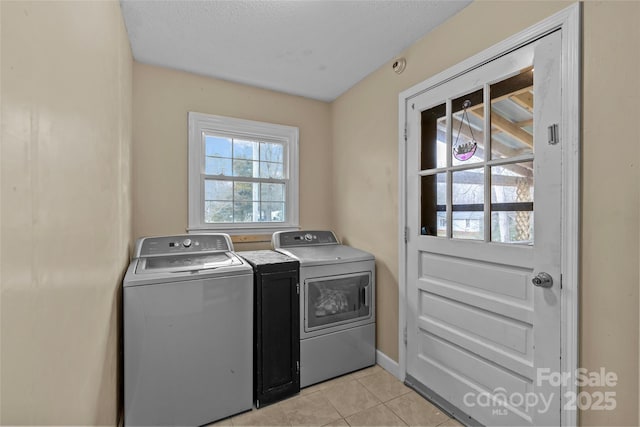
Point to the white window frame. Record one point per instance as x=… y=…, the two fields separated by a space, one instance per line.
x=199 y=124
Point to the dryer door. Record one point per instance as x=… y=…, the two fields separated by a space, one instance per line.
x=337 y=300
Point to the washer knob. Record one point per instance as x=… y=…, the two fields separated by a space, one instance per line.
x=308 y=237
x=186 y=243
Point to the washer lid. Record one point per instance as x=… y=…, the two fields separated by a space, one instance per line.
x=326 y=254
x=186 y=262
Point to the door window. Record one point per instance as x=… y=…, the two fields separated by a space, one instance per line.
x=478 y=185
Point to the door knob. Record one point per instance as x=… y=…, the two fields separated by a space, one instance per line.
x=544 y=280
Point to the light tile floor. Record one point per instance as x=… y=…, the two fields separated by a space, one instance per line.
x=370 y=397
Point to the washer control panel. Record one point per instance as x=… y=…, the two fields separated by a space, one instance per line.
x=190 y=243
x=287 y=239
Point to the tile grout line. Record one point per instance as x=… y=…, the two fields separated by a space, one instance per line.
x=340 y=380
x=388 y=400
x=397 y=414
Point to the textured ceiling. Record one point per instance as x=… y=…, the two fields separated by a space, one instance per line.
x=316 y=49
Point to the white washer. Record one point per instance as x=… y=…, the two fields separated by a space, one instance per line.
x=188 y=331
x=337 y=304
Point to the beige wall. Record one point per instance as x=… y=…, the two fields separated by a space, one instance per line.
x=66 y=138
x=365 y=138
x=161 y=100
x=610 y=202
x=65 y=204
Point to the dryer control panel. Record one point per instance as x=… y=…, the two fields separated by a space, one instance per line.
x=287 y=239
x=186 y=243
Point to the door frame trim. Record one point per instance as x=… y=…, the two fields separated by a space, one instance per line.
x=569 y=21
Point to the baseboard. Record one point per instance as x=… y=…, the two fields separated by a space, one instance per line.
x=388 y=364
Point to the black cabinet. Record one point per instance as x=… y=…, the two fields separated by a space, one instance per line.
x=276 y=356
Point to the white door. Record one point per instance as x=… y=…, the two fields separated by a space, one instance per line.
x=483 y=214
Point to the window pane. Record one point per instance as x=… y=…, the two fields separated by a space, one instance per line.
x=272 y=212
x=245 y=149
x=434 y=141
x=270 y=152
x=467 y=137
x=218 y=211
x=217 y=166
x=512 y=203
x=218 y=190
x=271 y=170
x=246 y=191
x=468 y=204
x=246 y=211
x=512 y=116
x=245 y=168
x=512 y=227
x=217 y=146
x=468 y=225
x=434 y=205
x=272 y=192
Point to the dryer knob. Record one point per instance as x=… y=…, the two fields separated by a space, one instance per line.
x=186 y=243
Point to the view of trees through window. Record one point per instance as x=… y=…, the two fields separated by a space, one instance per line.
x=244 y=181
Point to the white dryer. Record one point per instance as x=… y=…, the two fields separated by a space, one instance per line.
x=337 y=304
x=188 y=331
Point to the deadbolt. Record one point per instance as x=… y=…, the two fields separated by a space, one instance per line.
x=544 y=280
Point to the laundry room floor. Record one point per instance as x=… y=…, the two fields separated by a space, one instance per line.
x=370 y=397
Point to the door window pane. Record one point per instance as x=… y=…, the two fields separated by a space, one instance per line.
x=468 y=204
x=512 y=116
x=468 y=128
x=434 y=140
x=512 y=203
x=434 y=205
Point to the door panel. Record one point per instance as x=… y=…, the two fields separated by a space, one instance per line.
x=481 y=226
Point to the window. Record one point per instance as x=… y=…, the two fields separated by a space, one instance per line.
x=475 y=184
x=243 y=175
